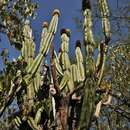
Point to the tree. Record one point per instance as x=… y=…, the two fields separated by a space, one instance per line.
x=65 y=95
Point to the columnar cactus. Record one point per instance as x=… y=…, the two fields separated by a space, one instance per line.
x=64 y=78
x=89 y=95
x=65 y=34
x=79 y=62
x=32 y=69
x=91 y=83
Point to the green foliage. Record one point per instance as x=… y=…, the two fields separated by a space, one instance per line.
x=12 y=16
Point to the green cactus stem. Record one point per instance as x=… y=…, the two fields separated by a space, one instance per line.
x=28 y=54
x=34 y=66
x=103 y=61
x=46 y=44
x=89 y=92
x=38 y=115
x=103 y=6
x=33 y=124
x=28 y=49
x=58 y=66
x=79 y=59
x=74 y=73
x=37 y=79
x=65 y=34
x=88 y=105
x=44 y=33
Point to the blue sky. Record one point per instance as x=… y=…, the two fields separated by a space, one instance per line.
x=68 y=9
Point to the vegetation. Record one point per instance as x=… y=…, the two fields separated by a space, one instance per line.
x=92 y=92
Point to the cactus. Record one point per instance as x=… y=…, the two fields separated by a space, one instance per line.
x=79 y=59
x=65 y=78
x=90 y=83
x=89 y=94
x=33 y=66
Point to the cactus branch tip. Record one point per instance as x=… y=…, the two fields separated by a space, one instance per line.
x=78 y=43
x=45 y=24
x=56 y=11
x=66 y=31
x=86 y=5
x=60 y=50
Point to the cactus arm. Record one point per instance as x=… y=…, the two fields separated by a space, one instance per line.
x=64 y=81
x=28 y=49
x=103 y=6
x=43 y=35
x=65 y=61
x=33 y=124
x=58 y=66
x=79 y=59
x=64 y=49
x=17 y=121
x=38 y=115
x=28 y=53
x=36 y=63
x=46 y=41
x=37 y=79
x=103 y=66
x=88 y=37
x=74 y=73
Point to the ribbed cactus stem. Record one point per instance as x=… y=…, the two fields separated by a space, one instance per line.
x=74 y=73
x=28 y=49
x=103 y=6
x=28 y=53
x=65 y=34
x=103 y=57
x=65 y=49
x=89 y=92
x=44 y=32
x=58 y=66
x=79 y=59
x=46 y=45
x=54 y=22
x=88 y=36
x=37 y=79
x=38 y=115
x=33 y=124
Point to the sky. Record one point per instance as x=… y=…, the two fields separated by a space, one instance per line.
x=68 y=9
